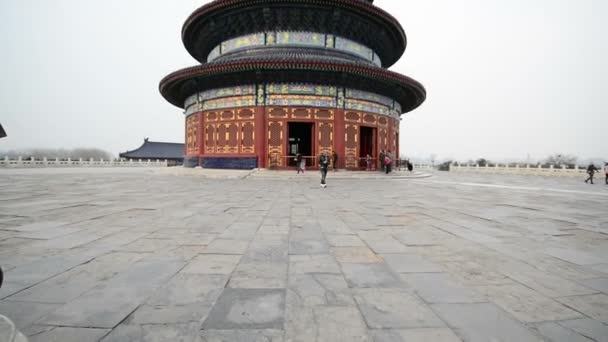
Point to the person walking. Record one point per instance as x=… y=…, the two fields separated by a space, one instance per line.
x=300 y=162
x=381 y=160
x=334 y=156
x=591 y=169
x=387 y=162
x=368 y=162
x=323 y=166
x=606 y=171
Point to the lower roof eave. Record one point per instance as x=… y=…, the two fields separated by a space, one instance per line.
x=176 y=87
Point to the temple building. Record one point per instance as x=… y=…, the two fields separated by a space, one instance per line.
x=173 y=153
x=280 y=77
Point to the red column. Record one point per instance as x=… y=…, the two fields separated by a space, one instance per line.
x=201 y=134
x=339 y=138
x=260 y=135
x=389 y=137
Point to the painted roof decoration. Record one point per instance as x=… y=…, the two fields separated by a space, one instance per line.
x=347 y=43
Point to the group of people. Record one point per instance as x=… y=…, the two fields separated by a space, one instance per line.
x=591 y=170
x=301 y=162
x=325 y=160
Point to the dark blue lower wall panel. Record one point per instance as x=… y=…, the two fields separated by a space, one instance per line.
x=230 y=163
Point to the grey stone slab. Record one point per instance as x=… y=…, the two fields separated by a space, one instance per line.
x=472 y=273
x=341 y=240
x=107 y=305
x=340 y=324
x=414 y=335
x=160 y=314
x=370 y=275
x=601 y=268
x=386 y=245
x=9 y=289
x=576 y=256
x=441 y=288
x=73 y=283
x=318 y=289
x=594 y=306
x=118 y=239
x=259 y=276
x=145 y=246
x=38 y=226
x=212 y=264
x=548 y=284
x=153 y=333
x=557 y=333
x=526 y=304
x=410 y=263
x=267 y=252
x=356 y=255
x=310 y=246
x=47 y=234
x=300 y=323
x=69 y=241
x=588 y=327
x=391 y=308
x=25 y=313
x=483 y=322
x=66 y=334
x=600 y=284
x=248 y=309
x=299 y=264
x=241 y=335
x=185 y=289
x=225 y=246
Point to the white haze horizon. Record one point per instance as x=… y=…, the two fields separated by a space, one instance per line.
x=505 y=80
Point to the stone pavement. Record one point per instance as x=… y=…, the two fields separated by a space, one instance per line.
x=157 y=255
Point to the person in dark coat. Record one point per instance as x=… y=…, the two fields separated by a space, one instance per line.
x=334 y=157
x=323 y=166
x=381 y=159
x=299 y=163
x=606 y=171
x=591 y=169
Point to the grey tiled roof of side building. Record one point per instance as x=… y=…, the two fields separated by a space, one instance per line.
x=156 y=150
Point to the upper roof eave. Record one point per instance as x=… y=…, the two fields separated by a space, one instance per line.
x=204 y=30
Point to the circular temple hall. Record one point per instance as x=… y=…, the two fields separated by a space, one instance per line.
x=282 y=77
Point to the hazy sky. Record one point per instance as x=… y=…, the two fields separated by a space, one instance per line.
x=505 y=78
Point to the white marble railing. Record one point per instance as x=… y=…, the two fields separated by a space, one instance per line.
x=522 y=170
x=45 y=162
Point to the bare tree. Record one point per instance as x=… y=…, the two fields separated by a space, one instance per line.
x=40 y=153
x=560 y=160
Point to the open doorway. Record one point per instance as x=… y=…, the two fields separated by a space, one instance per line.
x=300 y=141
x=367 y=135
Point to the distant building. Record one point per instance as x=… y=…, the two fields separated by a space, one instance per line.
x=172 y=152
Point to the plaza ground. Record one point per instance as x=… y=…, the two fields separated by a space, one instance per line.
x=192 y=255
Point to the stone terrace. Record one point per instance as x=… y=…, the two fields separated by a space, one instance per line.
x=168 y=255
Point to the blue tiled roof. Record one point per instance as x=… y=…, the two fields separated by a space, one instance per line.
x=156 y=150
